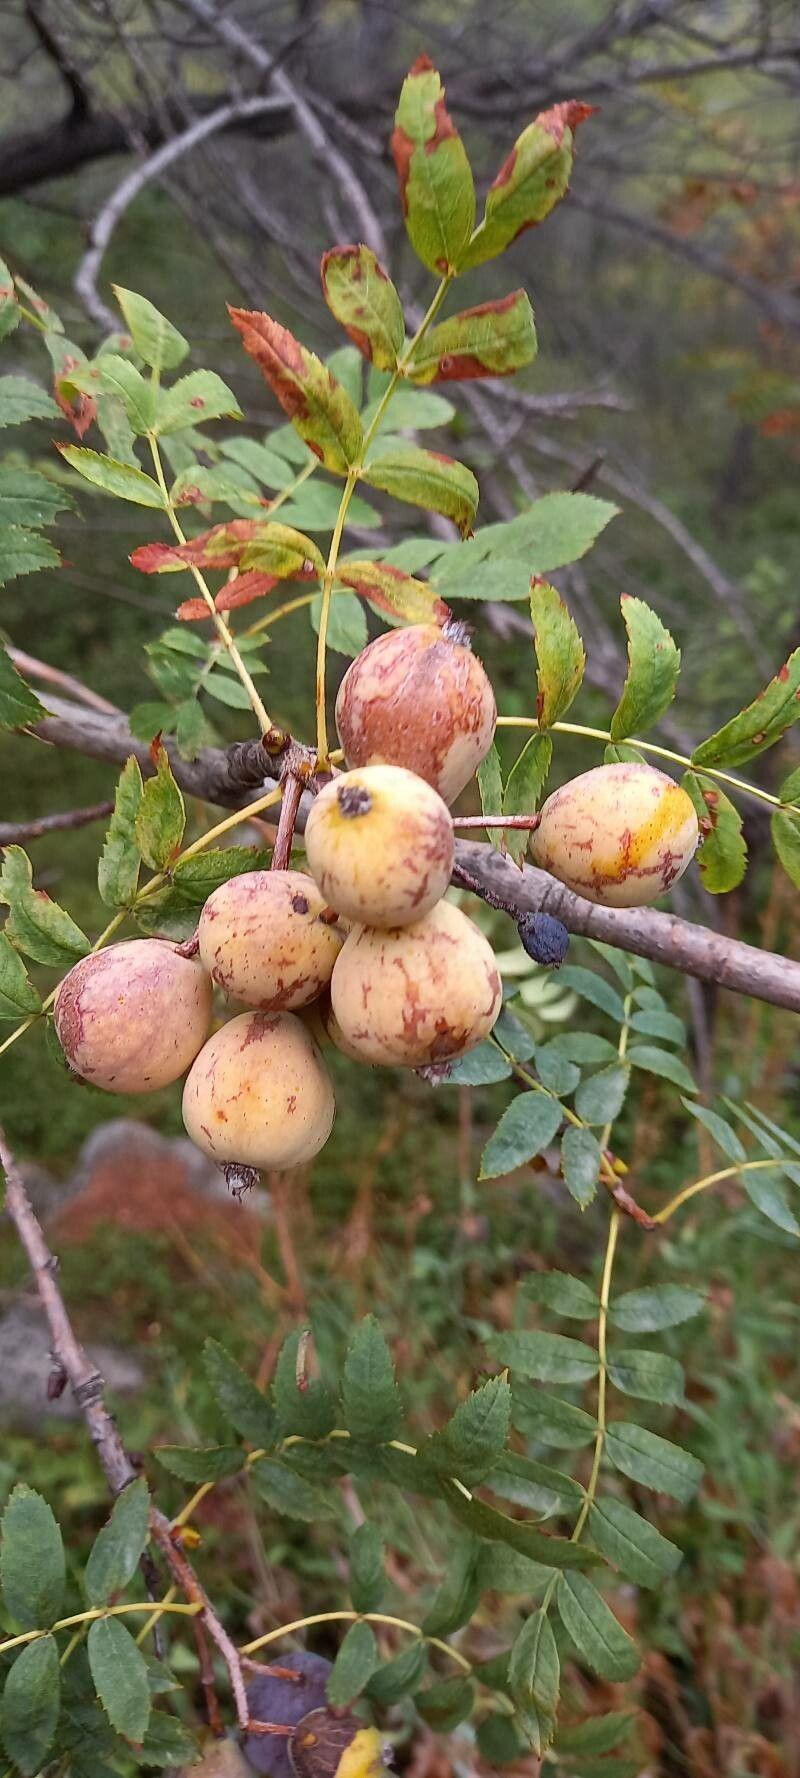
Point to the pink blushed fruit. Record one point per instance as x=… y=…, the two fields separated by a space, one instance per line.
x=132 y=1018
x=269 y=939
x=620 y=835
x=259 y=1094
x=417 y=994
x=379 y=843
x=419 y=698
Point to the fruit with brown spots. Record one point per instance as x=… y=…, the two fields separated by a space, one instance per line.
x=131 y=1018
x=419 y=698
x=418 y=994
x=620 y=834
x=379 y=843
x=259 y=1093
x=269 y=939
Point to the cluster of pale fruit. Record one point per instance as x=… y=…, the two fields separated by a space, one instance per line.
x=361 y=950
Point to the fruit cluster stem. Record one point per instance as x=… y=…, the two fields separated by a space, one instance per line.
x=353 y=475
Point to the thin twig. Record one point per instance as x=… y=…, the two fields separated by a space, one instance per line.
x=41 y=670
x=87 y=1387
x=14 y=833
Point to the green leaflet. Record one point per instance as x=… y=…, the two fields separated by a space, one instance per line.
x=118 y=869
x=654 y=663
x=531 y=181
x=30 y=1705
x=526 y=1127
x=120 y=1676
x=320 y=409
x=112 y=477
x=363 y=298
x=32 y=1565
x=114 y=1556
x=156 y=340
x=722 y=857
x=492 y=340
x=35 y=924
x=20 y=399
x=161 y=816
x=354 y=1665
x=427 y=479
x=560 y=654
x=18 y=704
x=18 y=997
x=760 y=725
x=370 y=1396
x=523 y=791
x=593 y=1628
x=436 y=184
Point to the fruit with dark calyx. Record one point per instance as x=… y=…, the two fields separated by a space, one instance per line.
x=544 y=938
x=620 y=835
x=259 y=1094
x=295 y=1686
x=132 y=1018
x=379 y=843
x=419 y=698
x=269 y=939
x=416 y=994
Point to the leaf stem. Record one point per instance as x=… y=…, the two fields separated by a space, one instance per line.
x=324 y=614
x=92 y=1614
x=274 y=617
x=701 y=1185
x=681 y=759
x=351 y=482
x=224 y=633
x=352 y=1617
x=615 y=1223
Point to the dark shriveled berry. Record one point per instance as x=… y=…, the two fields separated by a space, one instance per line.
x=545 y=939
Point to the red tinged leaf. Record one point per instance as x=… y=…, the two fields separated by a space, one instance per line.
x=494 y=339
x=392 y=590
x=247 y=587
x=532 y=180
x=436 y=185
x=220 y=547
x=317 y=405
x=272 y=548
x=363 y=298
x=193 y=611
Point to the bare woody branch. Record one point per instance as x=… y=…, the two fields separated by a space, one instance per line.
x=87 y=1386
x=230 y=779
x=16 y=833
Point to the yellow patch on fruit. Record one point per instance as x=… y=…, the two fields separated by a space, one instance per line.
x=620 y=834
x=362 y=1759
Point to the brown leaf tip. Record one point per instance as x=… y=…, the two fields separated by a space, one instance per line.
x=422 y=65
x=566 y=116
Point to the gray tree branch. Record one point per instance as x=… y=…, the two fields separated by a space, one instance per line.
x=231 y=778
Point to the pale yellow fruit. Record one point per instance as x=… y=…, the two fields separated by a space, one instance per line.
x=132 y=1018
x=418 y=994
x=418 y=698
x=269 y=939
x=259 y=1093
x=379 y=844
x=620 y=834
